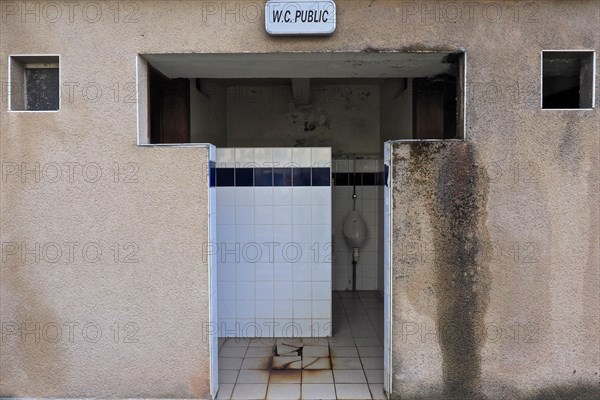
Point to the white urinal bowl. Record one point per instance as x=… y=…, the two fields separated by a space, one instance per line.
x=355 y=230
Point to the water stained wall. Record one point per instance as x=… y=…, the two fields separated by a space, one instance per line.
x=440 y=276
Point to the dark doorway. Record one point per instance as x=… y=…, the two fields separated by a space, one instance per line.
x=169 y=108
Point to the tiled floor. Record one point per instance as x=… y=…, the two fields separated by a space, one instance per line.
x=348 y=365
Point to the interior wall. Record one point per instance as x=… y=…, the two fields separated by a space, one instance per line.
x=274 y=242
x=396 y=110
x=207 y=112
x=344 y=116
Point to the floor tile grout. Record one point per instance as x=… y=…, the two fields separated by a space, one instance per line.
x=363 y=319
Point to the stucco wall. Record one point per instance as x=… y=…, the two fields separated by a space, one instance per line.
x=485 y=303
x=555 y=210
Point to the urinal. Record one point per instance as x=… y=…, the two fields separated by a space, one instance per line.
x=355 y=230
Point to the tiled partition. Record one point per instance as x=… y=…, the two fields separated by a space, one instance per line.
x=274 y=241
x=367 y=173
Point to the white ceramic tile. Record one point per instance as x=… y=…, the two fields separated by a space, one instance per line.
x=282 y=234
x=263 y=196
x=225 y=157
x=225 y=234
x=344 y=352
x=225 y=196
x=280 y=327
x=263 y=272
x=283 y=290
x=225 y=215
x=244 y=215
x=372 y=363
x=226 y=272
x=321 y=291
x=252 y=376
x=309 y=251
x=264 y=327
x=226 y=290
x=302 y=273
x=283 y=215
x=321 y=195
x=230 y=375
x=286 y=252
x=245 y=291
x=282 y=195
x=263 y=308
x=284 y=391
x=263 y=234
x=370 y=205
x=263 y=157
x=321 y=157
x=301 y=214
x=244 y=309
x=354 y=165
x=244 y=272
x=348 y=375
x=301 y=156
x=369 y=192
x=243 y=234
x=249 y=391
x=227 y=328
x=321 y=309
x=301 y=195
x=227 y=309
x=321 y=327
x=282 y=273
x=367 y=165
x=264 y=290
x=244 y=157
x=282 y=157
x=304 y=326
x=302 y=309
x=340 y=165
x=321 y=272
x=282 y=308
x=321 y=234
x=302 y=291
x=321 y=215
x=318 y=391
x=317 y=377
x=301 y=233
x=350 y=391
x=244 y=196
x=377 y=391
x=230 y=363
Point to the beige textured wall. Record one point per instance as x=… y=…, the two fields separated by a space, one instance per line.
x=165 y=293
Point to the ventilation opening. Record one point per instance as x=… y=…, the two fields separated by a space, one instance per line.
x=568 y=79
x=34 y=83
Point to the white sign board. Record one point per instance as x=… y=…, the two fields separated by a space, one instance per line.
x=300 y=17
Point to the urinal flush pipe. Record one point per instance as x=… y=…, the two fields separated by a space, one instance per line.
x=355 y=251
x=354 y=184
x=355 y=256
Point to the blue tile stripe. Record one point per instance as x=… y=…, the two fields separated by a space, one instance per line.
x=361 y=178
x=264 y=177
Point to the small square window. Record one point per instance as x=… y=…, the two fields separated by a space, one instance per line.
x=34 y=83
x=568 y=79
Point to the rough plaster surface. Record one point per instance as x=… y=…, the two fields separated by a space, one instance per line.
x=551 y=203
x=472 y=304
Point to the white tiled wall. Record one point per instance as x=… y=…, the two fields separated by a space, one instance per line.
x=274 y=265
x=369 y=203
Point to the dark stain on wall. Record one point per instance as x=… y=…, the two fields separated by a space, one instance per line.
x=454 y=189
x=571 y=392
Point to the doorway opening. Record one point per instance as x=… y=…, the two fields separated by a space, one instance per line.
x=299 y=181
